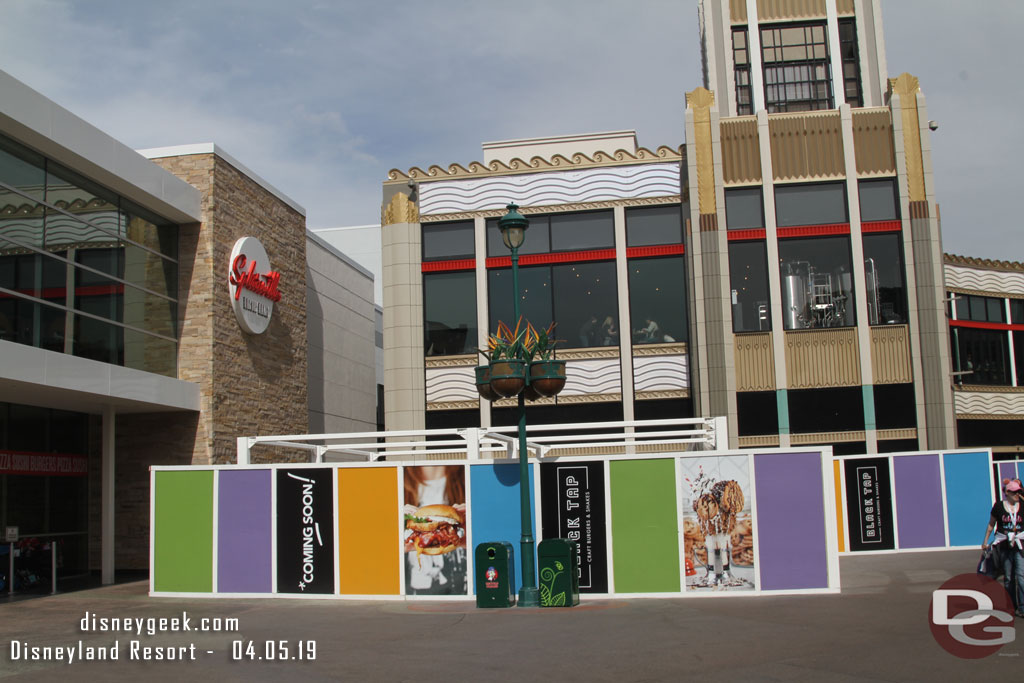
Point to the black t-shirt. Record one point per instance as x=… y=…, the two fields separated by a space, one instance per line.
x=1007 y=523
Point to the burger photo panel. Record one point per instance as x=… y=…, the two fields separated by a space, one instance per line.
x=718 y=536
x=434 y=509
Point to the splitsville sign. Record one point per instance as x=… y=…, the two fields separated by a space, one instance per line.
x=253 y=293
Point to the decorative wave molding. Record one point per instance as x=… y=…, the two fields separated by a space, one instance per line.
x=600 y=376
x=450 y=385
x=517 y=165
x=660 y=373
x=61 y=230
x=558 y=187
x=985 y=403
x=977 y=280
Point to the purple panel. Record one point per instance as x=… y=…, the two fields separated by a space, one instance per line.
x=792 y=550
x=920 y=520
x=1007 y=470
x=244 y=532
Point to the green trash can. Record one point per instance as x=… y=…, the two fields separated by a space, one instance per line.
x=495 y=574
x=559 y=573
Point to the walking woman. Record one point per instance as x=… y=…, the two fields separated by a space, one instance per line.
x=1007 y=521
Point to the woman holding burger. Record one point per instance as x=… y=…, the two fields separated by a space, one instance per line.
x=1007 y=521
x=435 y=543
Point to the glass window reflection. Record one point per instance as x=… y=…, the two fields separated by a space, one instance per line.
x=748 y=278
x=449 y=310
x=817 y=283
x=657 y=300
x=884 y=279
x=586 y=304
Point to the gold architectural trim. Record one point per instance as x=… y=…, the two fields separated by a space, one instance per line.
x=673 y=349
x=399 y=210
x=700 y=100
x=741 y=151
x=822 y=358
x=890 y=354
x=535 y=164
x=588 y=354
x=461 y=361
x=665 y=393
x=766 y=440
x=982 y=263
x=891 y=434
x=554 y=208
x=985 y=416
x=874 y=149
x=454 y=406
x=907 y=87
x=987 y=389
x=591 y=398
x=806 y=146
x=827 y=437
x=755 y=361
x=513 y=402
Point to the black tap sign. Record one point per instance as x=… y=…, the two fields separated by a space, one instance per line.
x=305 y=531
x=869 y=504
x=573 y=508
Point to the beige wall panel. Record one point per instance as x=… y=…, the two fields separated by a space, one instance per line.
x=872 y=142
x=755 y=368
x=988 y=403
x=808 y=146
x=779 y=10
x=845 y=7
x=822 y=358
x=741 y=156
x=890 y=355
x=738 y=11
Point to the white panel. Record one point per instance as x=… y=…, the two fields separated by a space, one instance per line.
x=598 y=376
x=985 y=403
x=985 y=280
x=553 y=187
x=660 y=373
x=451 y=384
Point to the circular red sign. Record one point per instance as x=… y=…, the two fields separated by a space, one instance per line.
x=971 y=616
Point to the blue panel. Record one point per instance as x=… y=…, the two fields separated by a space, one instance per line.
x=494 y=509
x=968 y=495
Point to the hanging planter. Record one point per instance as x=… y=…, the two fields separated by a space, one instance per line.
x=483 y=383
x=547 y=377
x=530 y=393
x=508 y=376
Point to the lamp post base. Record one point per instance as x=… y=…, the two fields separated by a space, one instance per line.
x=528 y=597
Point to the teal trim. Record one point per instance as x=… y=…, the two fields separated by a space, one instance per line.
x=869 y=406
x=782 y=400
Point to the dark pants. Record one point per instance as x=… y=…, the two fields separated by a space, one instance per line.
x=1012 y=563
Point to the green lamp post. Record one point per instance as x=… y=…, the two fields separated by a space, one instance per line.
x=513 y=233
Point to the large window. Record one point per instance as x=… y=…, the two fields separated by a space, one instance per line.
x=982 y=355
x=817 y=283
x=648 y=226
x=534 y=297
x=448 y=240
x=657 y=300
x=744 y=208
x=878 y=200
x=741 y=70
x=796 y=67
x=558 y=232
x=449 y=311
x=985 y=309
x=813 y=204
x=884 y=279
x=82 y=270
x=851 y=62
x=748 y=279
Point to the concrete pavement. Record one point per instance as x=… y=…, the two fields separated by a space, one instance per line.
x=876 y=629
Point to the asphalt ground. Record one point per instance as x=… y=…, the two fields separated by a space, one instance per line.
x=876 y=629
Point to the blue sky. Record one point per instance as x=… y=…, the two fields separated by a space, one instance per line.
x=321 y=98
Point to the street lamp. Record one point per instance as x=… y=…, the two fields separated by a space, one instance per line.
x=513 y=233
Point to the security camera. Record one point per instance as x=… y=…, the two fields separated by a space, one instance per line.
x=933 y=125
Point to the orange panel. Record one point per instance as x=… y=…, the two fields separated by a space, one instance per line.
x=837 y=472
x=368 y=543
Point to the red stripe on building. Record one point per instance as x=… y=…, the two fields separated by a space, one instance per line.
x=457 y=264
x=560 y=257
x=657 y=250
x=815 y=230
x=882 y=226
x=740 y=235
x=979 y=325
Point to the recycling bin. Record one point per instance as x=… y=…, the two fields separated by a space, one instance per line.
x=559 y=573
x=495 y=574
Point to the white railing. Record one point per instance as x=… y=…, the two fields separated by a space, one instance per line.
x=628 y=436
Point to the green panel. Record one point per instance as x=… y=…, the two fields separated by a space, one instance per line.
x=782 y=400
x=869 y=406
x=645 y=528
x=183 y=532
